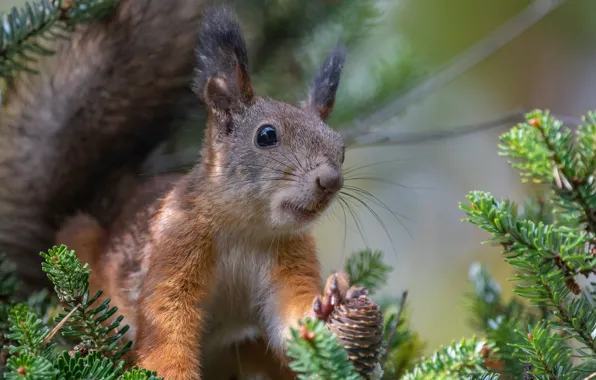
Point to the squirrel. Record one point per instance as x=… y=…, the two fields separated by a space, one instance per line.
x=224 y=254
x=75 y=133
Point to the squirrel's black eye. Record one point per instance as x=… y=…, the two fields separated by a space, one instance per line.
x=266 y=136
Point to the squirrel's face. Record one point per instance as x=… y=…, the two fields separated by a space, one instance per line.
x=286 y=160
x=277 y=165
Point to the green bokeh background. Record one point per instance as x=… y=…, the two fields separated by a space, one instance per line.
x=548 y=66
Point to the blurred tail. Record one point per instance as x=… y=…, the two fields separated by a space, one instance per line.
x=73 y=135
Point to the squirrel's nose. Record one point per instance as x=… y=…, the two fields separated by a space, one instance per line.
x=330 y=180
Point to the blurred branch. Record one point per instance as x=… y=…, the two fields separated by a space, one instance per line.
x=183 y=159
x=402 y=306
x=483 y=49
x=361 y=131
x=401 y=138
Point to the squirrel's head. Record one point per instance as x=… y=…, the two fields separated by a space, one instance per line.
x=277 y=164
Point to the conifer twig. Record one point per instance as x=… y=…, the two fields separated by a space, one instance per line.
x=402 y=305
x=39 y=19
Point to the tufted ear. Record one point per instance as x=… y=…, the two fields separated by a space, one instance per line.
x=221 y=78
x=321 y=96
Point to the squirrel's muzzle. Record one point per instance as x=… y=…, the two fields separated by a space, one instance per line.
x=330 y=180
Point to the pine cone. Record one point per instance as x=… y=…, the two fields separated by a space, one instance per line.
x=358 y=325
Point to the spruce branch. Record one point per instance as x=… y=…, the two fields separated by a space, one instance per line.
x=30 y=367
x=558 y=244
x=91 y=366
x=28 y=332
x=367 y=269
x=71 y=283
x=547 y=257
x=31 y=353
x=496 y=319
x=23 y=324
x=463 y=359
x=8 y=286
x=586 y=369
x=317 y=354
x=24 y=29
x=548 y=152
x=139 y=374
x=546 y=352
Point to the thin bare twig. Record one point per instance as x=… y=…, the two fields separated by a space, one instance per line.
x=59 y=326
x=402 y=138
x=393 y=330
x=179 y=160
x=360 y=131
x=483 y=49
x=592 y=376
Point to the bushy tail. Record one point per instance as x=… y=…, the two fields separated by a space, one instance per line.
x=73 y=135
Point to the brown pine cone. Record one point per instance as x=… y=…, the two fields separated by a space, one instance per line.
x=356 y=321
x=358 y=325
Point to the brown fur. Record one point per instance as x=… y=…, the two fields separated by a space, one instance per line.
x=226 y=256
x=72 y=133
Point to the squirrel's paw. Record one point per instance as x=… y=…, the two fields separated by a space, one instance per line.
x=337 y=291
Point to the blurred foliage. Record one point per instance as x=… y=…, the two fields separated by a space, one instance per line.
x=549 y=241
x=289 y=40
x=293 y=38
x=406 y=346
x=367 y=269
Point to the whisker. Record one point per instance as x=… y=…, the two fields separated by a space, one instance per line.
x=395 y=215
x=379 y=202
x=228 y=166
x=386 y=181
x=343 y=249
x=260 y=179
x=377 y=217
x=293 y=168
x=357 y=221
x=352 y=169
x=268 y=170
x=297 y=160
